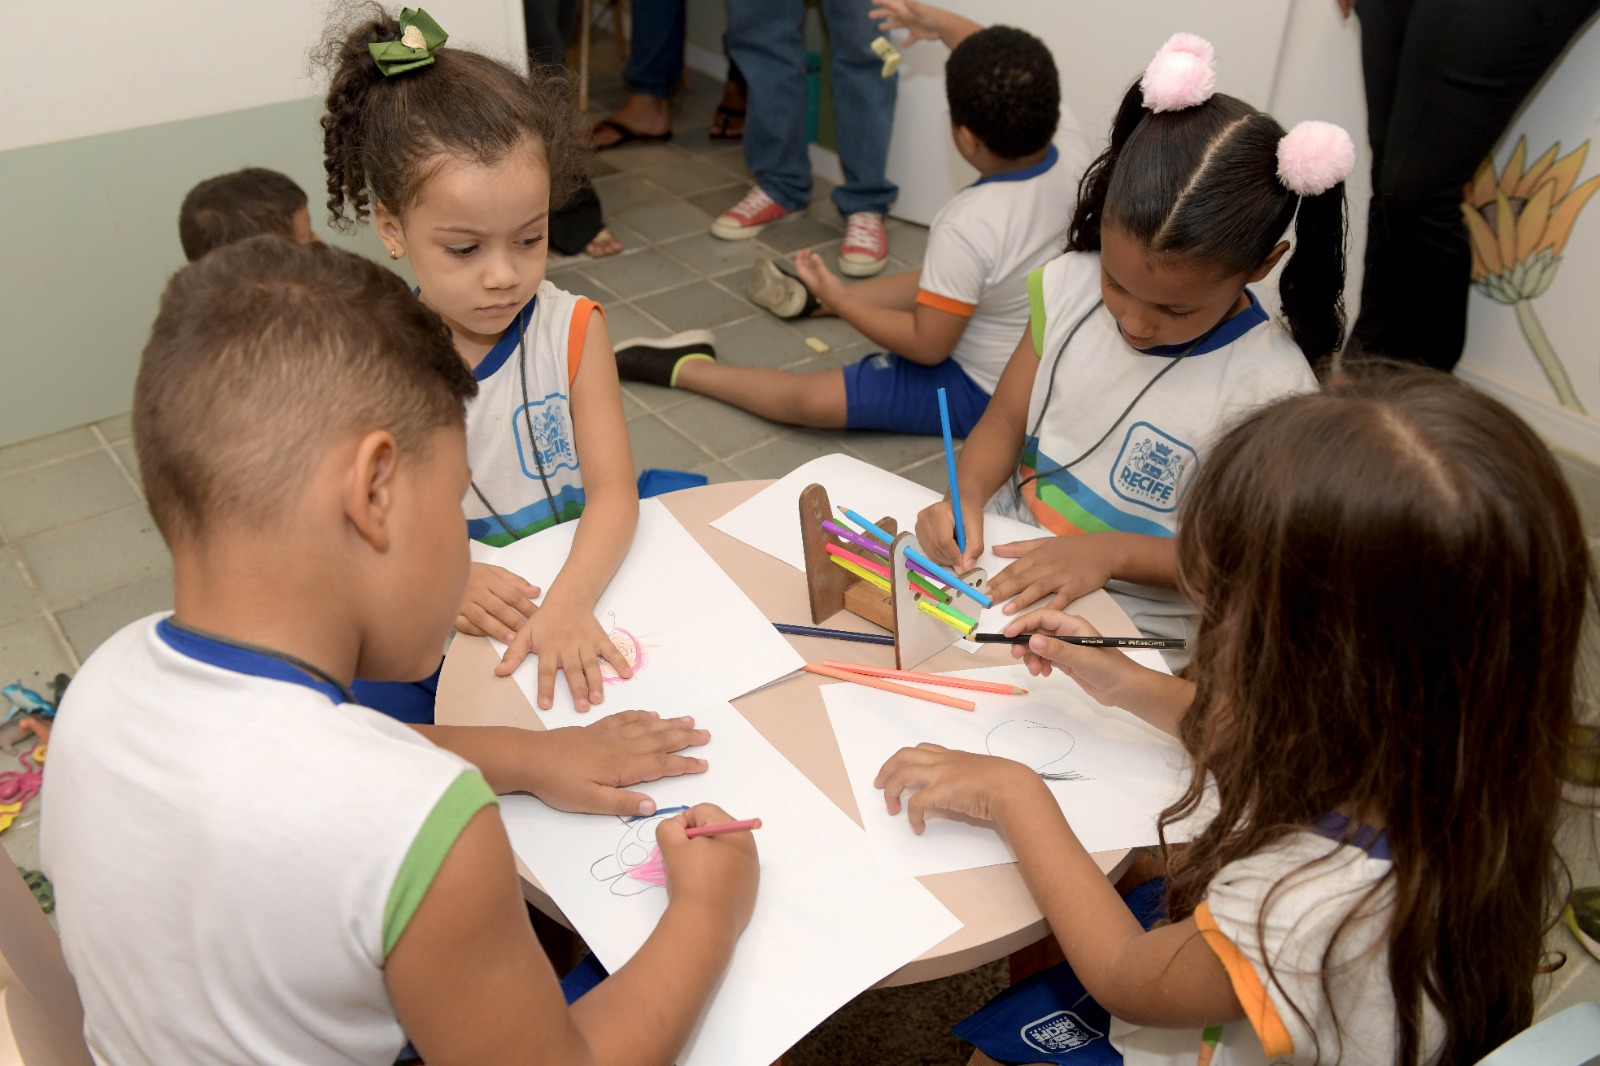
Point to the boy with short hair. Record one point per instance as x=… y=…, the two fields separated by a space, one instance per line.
x=245 y=203
x=955 y=322
x=250 y=867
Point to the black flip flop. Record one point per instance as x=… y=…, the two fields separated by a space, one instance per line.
x=629 y=136
x=724 y=112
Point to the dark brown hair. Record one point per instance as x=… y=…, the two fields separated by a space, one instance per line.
x=384 y=137
x=1393 y=581
x=231 y=207
x=1203 y=183
x=264 y=351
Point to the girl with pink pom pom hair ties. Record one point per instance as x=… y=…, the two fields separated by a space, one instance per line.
x=1145 y=340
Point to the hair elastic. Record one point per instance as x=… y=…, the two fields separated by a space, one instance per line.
x=1183 y=74
x=1314 y=157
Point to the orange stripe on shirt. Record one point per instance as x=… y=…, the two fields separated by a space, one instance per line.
x=577 y=333
x=1270 y=1030
x=945 y=304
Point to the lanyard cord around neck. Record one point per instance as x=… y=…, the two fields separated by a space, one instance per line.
x=1050 y=389
x=533 y=443
x=271 y=653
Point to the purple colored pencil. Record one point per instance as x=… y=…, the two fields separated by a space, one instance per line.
x=867 y=542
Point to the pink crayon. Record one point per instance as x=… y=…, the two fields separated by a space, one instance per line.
x=725 y=827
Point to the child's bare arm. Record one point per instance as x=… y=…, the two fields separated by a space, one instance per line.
x=471 y=984
x=588 y=769
x=911 y=330
x=987 y=459
x=563 y=630
x=1167 y=977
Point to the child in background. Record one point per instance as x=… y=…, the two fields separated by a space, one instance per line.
x=1394 y=578
x=951 y=324
x=231 y=207
x=459 y=159
x=249 y=866
x=1145 y=342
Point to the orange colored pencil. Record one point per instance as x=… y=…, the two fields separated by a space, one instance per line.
x=889 y=686
x=929 y=679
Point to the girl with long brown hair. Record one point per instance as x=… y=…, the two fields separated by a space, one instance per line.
x=1392 y=580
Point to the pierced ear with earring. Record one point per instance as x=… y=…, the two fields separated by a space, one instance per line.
x=393 y=254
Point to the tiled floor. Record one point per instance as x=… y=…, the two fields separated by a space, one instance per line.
x=79 y=556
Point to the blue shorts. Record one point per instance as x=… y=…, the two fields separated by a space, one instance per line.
x=1049 y=1017
x=886 y=391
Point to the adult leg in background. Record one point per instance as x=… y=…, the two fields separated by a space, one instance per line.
x=655 y=65
x=765 y=41
x=863 y=109
x=1443 y=78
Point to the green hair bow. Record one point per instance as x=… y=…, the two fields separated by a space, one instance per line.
x=419 y=36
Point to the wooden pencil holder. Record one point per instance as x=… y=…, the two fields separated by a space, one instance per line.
x=917 y=635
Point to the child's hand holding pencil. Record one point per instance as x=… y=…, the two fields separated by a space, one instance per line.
x=714 y=875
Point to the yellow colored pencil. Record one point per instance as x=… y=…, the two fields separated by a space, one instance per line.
x=865 y=575
x=928 y=608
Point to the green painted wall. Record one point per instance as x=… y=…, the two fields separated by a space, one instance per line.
x=91 y=235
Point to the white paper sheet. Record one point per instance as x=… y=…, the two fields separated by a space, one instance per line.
x=697 y=637
x=770 y=521
x=828 y=923
x=1129 y=770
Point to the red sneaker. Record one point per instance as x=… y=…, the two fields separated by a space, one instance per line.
x=865 y=249
x=748 y=217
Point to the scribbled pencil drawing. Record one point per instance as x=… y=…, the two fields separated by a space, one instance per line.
x=632 y=648
x=1043 y=748
x=634 y=865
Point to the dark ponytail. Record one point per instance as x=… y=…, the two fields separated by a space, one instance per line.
x=1203 y=182
x=382 y=137
x=1083 y=235
x=1312 y=283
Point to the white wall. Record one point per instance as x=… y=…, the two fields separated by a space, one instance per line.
x=75 y=68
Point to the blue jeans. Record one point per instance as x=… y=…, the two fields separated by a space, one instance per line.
x=766 y=39
x=655 y=52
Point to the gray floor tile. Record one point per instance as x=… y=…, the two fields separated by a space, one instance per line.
x=599 y=168
x=129 y=457
x=698 y=305
x=118 y=428
x=622 y=191
x=1582 y=986
x=930 y=474
x=908 y=242
x=46 y=449
x=1584 y=478
x=721 y=429
x=838 y=333
x=624 y=322
x=734 y=164
x=655 y=444
x=716 y=201
x=793 y=235
x=691 y=175
x=89 y=624
x=30 y=653
x=778 y=457
x=101 y=553
x=632 y=408
x=713 y=255
x=636 y=273
x=644 y=158
x=695 y=138
x=65 y=492
x=577 y=281
x=665 y=219
x=762 y=341
x=719 y=472
x=891 y=451
x=16 y=596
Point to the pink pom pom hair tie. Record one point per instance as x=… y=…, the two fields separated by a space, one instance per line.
x=1183 y=74
x=1314 y=157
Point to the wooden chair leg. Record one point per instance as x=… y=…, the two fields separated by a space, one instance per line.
x=585 y=19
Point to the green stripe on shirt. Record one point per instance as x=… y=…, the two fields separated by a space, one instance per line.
x=1036 y=309
x=466 y=796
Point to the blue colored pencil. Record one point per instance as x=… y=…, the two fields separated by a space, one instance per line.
x=950 y=467
x=868 y=526
x=946 y=576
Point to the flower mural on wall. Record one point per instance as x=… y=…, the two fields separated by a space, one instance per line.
x=1518 y=222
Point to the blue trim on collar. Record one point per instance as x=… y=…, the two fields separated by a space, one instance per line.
x=1335 y=826
x=1049 y=160
x=1222 y=334
x=506 y=344
x=241 y=660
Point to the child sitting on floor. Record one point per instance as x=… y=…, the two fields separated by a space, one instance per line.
x=1394 y=582
x=459 y=159
x=951 y=324
x=251 y=867
x=231 y=207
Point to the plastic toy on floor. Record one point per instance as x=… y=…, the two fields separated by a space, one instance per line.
x=17 y=787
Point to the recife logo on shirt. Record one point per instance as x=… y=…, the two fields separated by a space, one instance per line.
x=1058 y=1032
x=1151 y=467
x=552 y=436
